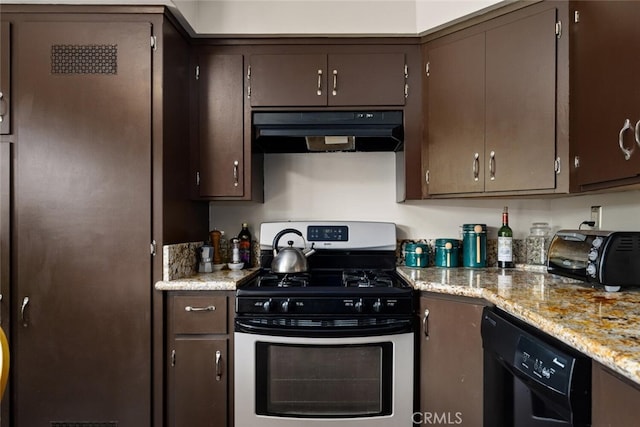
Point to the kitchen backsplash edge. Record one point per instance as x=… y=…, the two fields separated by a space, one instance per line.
x=181 y=260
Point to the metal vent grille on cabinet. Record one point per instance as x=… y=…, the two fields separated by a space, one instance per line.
x=84 y=424
x=84 y=59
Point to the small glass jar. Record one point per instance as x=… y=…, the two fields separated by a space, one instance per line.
x=537 y=243
x=235 y=250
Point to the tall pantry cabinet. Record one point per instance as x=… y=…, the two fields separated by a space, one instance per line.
x=99 y=184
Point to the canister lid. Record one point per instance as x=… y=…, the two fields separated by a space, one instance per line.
x=475 y=228
x=441 y=243
x=411 y=247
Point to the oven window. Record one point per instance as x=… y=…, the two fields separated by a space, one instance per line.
x=324 y=381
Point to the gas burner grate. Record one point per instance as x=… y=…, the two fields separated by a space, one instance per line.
x=283 y=280
x=367 y=279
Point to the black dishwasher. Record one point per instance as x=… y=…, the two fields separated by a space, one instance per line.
x=531 y=378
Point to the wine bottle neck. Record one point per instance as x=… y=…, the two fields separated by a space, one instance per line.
x=505 y=218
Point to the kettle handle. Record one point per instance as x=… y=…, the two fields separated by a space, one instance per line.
x=282 y=233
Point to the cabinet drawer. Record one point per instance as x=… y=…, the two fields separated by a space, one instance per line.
x=199 y=315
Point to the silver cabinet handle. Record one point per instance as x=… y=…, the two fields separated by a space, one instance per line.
x=476 y=166
x=218 y=365
x=23 y=307
x=235 y=173
x=335 y=83
x=627 y=153
x=319 y=92
x=425 y=324
x=492 y=165
x=638 y=132
x=173 y=358
x=191 y=308
x=3 y=107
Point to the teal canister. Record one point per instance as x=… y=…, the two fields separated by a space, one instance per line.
x=474 y=245
x=416 y=255
x=447 y=253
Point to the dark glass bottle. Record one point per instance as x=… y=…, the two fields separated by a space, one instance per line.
x=245 y=245
x=505 y=242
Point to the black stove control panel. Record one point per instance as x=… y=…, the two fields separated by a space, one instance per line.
x=370 y=305
x=328 y=233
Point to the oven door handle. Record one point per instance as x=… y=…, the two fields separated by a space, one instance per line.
x=398 y=326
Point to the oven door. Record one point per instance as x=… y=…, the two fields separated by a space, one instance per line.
x=349 y=381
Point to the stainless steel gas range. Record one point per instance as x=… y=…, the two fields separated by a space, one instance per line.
x=325 y=337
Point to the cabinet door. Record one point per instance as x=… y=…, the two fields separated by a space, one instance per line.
x=5 y=78
x=451 y=380
x=288 y=80
x=455 y=116
x=5 y=259
x=614 y=399
x=221 y=124
x=82 y=267
x=366 y=79
x=521 y=104
x=199 y=387
x=605 y=90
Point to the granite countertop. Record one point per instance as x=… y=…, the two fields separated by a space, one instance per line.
x=603 y=325
x=222 y=280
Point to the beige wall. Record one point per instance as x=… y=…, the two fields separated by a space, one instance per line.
x=361 y=186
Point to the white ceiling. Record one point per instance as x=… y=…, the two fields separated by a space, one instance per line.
x=324 y=17
x=308 y=17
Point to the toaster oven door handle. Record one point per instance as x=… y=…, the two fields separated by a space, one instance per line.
x=577 y=237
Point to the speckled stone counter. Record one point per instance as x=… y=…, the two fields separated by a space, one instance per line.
x=180 y=271
x=223 y=280
x=603 y=325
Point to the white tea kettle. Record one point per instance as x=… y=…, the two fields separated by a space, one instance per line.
x=289 y=259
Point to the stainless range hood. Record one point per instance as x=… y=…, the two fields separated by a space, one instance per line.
x=307 y=131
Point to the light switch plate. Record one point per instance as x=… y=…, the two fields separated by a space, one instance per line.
x=596 y=216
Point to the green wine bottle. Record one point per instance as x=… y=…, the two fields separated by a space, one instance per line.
x=505 y=242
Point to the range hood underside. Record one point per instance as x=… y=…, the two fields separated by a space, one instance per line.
x=276 y=132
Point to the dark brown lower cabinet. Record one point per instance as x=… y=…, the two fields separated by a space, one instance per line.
x=451 y=361
x=615 y=400
x=200 y=359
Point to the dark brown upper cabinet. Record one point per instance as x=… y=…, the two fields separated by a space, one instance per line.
x=221 y=126
x=319 y=79
x=224 y=168
x=5 y=78
x=456 y=80
x=491 y=107
x=605 y=93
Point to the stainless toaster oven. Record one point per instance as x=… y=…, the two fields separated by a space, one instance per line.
x=609 y=258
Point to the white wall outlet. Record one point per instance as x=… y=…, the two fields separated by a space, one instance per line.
x=596 y=217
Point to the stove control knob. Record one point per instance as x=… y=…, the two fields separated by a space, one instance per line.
x=592 y=255
x=359 y=305
x=284 y=306
x=377 y=306
x=591 y=270
x=266 y=306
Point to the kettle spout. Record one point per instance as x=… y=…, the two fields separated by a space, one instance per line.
x=311 y=251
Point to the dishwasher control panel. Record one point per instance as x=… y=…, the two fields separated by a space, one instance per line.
x=550 y=367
